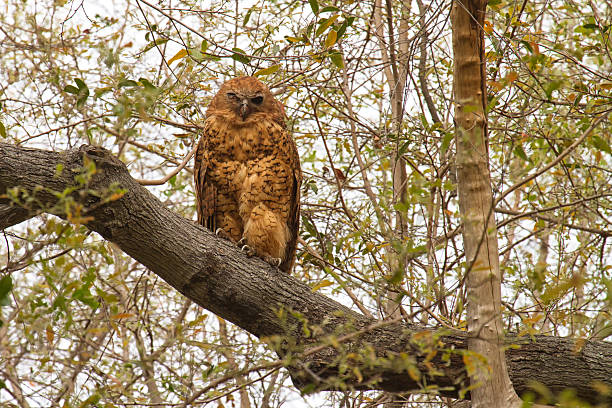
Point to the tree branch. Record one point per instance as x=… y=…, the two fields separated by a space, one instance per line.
x=10 y=215
x=273 y=305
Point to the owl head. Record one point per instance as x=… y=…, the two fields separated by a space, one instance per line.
x=244 y=98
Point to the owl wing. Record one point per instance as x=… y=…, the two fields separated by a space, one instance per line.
x=293 y=221
x=206 y=192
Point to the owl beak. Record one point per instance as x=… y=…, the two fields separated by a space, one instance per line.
x=244 y=109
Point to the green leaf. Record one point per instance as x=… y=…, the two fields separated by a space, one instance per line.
x=84 y=295
x=403 y=149
x=527 y=45
x=247 y=17
x=71 y=89
x=240 y=56
x=59 y=302
x=324 y=24
x=313 y=187
x=152 y=44
x=148 y=85
x=314 y=5
x=328 y=9
x=343 y=28
x=336 y=58
x=520 y=152
x=195 y=54
x=267 y=71
x=212 y=57
x=127 y=83
x=308 y=389
x=59 y=169
x=446 y=141
x=601 y=144
x=551 y=87
x=6 y=285
x=494 y=2
x=91 y=401
x=82 y=92
x=80 y=83
x=2 y=130
x=203 y=46
x=98 y=92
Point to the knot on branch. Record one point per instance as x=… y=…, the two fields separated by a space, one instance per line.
x=199 y=279
x=101 y=157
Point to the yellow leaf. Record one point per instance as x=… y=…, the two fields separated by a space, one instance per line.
x=78 y=220
x=512 y=76
x=332 y=36
x=496 y=85
x=601 y=387
x=50 y=334
x=122 y=316
x=116 y=196
x=579 y=344
x=326 y=24
x=414 y=373
x=488 y=28
x=334 y=342
x=606 y=85
x=181 y=54
x=322 y=284
x=267 y=71
x=96 y=331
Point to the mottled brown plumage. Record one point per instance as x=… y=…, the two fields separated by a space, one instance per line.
x=247 y=172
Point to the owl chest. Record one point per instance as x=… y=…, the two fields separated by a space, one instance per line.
x=244 y=144
x=239 y=159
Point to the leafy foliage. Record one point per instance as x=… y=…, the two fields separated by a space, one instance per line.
x=368 y=88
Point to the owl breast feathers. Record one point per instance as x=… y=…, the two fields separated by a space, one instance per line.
x=247 y=172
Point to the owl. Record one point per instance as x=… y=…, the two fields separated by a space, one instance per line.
x=247 y=172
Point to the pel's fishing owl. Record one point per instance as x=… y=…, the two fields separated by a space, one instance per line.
x=247 y=172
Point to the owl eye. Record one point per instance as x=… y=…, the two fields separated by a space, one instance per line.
x=257 y=100
x=232 y=95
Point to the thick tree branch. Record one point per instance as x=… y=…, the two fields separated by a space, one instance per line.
x=268 y=303
x=11 y=215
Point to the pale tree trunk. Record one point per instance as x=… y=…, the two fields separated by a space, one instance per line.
x=393 y=44
x=229 y=355
x=490 y=381
x=394 y=50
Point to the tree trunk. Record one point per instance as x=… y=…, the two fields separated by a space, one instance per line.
x=273 y=305
x=491 y=386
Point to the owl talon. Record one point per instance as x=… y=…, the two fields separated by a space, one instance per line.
x=220 y=232
x=273 y=261
x=242 y=241
x=247 y=250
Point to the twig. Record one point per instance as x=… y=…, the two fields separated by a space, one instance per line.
x=171 y=174
x=567 y=151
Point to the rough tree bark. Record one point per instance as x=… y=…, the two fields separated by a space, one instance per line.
x=249 y=292
x=491 y=385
